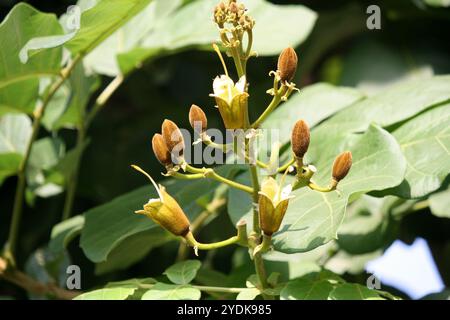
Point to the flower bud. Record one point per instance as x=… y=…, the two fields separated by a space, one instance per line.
x=160 y=150
x=197 y=119
x=342 y=165
x=173 y=138
x=287 y=64
x=232 y=101
x=272 y=204
x=165 y=210
x=300 y=138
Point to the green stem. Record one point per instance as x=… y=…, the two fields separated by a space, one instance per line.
x=73 y=179
x=237 y=61
x=283 y=168
x=273 y=104
x=315 y=187
x=210 y=173
x=240 y=238
x=21 y=184
x=255 y=197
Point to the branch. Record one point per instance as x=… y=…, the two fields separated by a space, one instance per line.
x=31 y=285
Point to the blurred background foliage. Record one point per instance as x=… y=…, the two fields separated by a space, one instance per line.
x=413 y=43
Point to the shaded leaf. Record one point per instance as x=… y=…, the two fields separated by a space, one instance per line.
x=120 y=293
x=183 y=272
x=162 y=291
x=351 y=291
x=425 y=142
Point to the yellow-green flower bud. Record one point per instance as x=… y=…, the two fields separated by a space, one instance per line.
x=232 y=101
x=273 y=203
x=165 y=210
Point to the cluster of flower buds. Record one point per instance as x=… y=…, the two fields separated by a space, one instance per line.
x=232 y=13
x=168 y=147
x=300 y=140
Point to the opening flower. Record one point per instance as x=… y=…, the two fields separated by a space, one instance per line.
x=273 y=203
x=232 y=101
x=165 y=210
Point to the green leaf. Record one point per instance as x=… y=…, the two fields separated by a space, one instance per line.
x=9 y=165
x=19 y=82
x=440 y=204
x=134 y=249
x=100 y=21
x=393 y=105
x=368 y=225
x=183 y=272
x=64 y=232
x=120 y=293
x=248 y=294
x=437 y=3
x=270 y=32
x=162 y=291
x=425 y=142
x=103 y=59
x=68 y=106
x=15 y=132
x=108 y=225
x=307 y=288
x=353 y=291
x=313 y=218
x=312 y=104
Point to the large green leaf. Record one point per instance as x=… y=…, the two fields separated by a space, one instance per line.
x=391 y=106
x=425 y=142
x=368 y=225
x=312 y=104
x=134 y=249
x=102 y=20
x=276 y=28
x=162 y=291
x=103 y=59
x=19 y=81
x=313 y=218
x=183 y=272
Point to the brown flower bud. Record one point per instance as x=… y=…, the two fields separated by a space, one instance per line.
x=197 y=118
x=342 y=165
x=287 y=64
x=160 y=150
x=173 y=137
x=300 y=138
